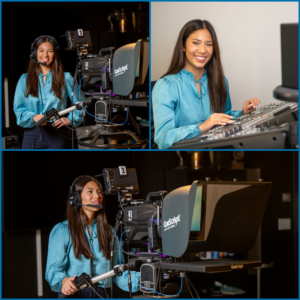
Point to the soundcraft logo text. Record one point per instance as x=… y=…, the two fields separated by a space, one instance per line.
x=120 y=70
x=171 y=223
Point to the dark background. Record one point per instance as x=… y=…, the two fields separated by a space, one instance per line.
x=35 y=186
x=23 y=22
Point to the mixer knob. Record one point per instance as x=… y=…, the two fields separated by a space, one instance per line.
x=240 y=128
x=236 y=129
x=268 y=124
x=277 y=123
x=226 y=133
x=262 y=127
x=231 y=131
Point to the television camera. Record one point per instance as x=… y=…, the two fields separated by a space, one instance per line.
x=109 y=80
x=204 y=216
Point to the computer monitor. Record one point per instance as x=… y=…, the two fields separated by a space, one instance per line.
x=213 y=216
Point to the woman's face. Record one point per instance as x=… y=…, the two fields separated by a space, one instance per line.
x=91 y=194
x=198 y=50
x=45 y=53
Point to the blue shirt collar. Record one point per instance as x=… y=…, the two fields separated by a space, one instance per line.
x=191 y=75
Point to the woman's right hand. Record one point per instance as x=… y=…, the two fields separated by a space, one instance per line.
x=36 y=118
x=68 y=288
x=215 y=119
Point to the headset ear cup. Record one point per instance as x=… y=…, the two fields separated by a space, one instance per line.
x=34 y=54
x=74 y=199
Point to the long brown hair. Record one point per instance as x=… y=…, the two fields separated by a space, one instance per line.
x=214 y=69
x=79 y=241
x=58 y=79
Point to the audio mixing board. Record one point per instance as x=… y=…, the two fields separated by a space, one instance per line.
x=273 y=126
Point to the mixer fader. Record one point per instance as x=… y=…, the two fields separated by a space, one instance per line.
x=267 y=127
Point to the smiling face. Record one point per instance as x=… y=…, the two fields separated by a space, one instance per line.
x=198 y=50
x=45 y=53
x=91 y=194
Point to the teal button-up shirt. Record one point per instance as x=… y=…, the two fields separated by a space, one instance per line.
x=61 y=261
x=178 y=109
x=26 y=108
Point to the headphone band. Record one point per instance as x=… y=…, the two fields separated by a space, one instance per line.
x=45 y=36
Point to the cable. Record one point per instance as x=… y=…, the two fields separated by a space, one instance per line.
x=97 y=293
x=194 y=289
x=141 y=285
x=106 y=120
x=187 y=284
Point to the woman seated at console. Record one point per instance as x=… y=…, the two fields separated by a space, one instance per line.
x=44 y=87
x=193 y=96
x=82 y=245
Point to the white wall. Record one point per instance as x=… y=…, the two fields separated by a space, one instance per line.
x=248 y=35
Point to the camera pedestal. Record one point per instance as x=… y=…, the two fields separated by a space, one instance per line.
x=107 y=137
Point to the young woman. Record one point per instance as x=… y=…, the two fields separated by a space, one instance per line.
x=72 y=252
x=193 y=96
x=45 y=86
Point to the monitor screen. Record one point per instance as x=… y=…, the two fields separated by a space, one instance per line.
x=137 y=74
x=196 y=218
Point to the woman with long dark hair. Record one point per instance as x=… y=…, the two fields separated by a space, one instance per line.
x=81 y=244
x=44 y=87
x=193 y=96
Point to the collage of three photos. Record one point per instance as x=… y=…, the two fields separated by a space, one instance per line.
x=153 y=150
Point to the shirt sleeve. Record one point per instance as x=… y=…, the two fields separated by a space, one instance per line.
x=165 y=100
x=57 y=256
x=228 y=110
x=122 y=281
x=24 y=117
x=77 y=97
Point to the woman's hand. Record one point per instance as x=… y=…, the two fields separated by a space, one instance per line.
x=68 y=288
x=36 y=118
x=215 y=119
x=250 y=105
x=61 y=122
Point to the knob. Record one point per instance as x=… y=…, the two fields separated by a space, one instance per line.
x=277 y=123
x=236 y=129
x=226 y=133
x=234 y=180
x=260 y=180
x=262 y=127
x=240 y=128
x=231 y=131
x=207 y=178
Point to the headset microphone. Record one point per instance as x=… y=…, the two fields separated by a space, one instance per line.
x=90 y=205
x=41 y=63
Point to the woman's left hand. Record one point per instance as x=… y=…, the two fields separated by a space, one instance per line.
x=61 y=122
x=250 y=105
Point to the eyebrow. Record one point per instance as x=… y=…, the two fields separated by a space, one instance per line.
x=200 y=40
x=92 y=189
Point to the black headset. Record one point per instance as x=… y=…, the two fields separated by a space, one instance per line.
x=33 y=55
x=74 y=198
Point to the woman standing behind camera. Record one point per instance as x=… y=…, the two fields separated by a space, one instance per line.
x=44 y=87
x=82 y=244
x=193 y=96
